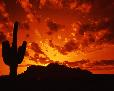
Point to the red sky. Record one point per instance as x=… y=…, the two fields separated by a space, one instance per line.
x=67 y=31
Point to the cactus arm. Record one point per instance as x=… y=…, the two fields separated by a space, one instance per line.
x=6 y=52
x=21 y=52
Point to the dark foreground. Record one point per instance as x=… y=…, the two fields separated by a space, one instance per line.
x=55 y=77
x=97 y=83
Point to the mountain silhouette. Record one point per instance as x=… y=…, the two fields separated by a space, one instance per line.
x=54 y=71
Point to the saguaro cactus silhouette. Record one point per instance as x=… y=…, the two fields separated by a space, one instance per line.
x=12 y=55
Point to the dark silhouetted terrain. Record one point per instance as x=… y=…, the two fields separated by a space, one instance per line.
x=54 y=71
x=55 y=77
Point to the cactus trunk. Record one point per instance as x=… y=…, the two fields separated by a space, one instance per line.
x=14 y=43
x=13 y=71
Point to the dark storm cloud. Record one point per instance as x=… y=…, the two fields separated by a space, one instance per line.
x=4 y=15
x=35 y=58
x=51 y=43
x=107 y=25
x=42 y=60
x=79 y=2
x=27 y=35
x=35 y=47
x=85 y=27
x=3 y=19
x=104 y=63
x=82 y=6
x=58 y=3
x=80 y=63
x=103 y=7
x=102 y=29
x=53 y=26
x=70 y=46
x=35 y=3
x=50 y=33
x=2 y=37
x=25 y=25
x=102 y=19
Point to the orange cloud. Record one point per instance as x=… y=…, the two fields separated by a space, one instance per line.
x=2 y=37
x=25 y=4
x=84 y=8
x=53 y=26
x=3 y=11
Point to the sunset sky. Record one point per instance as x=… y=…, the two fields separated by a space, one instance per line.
x=76 y=33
